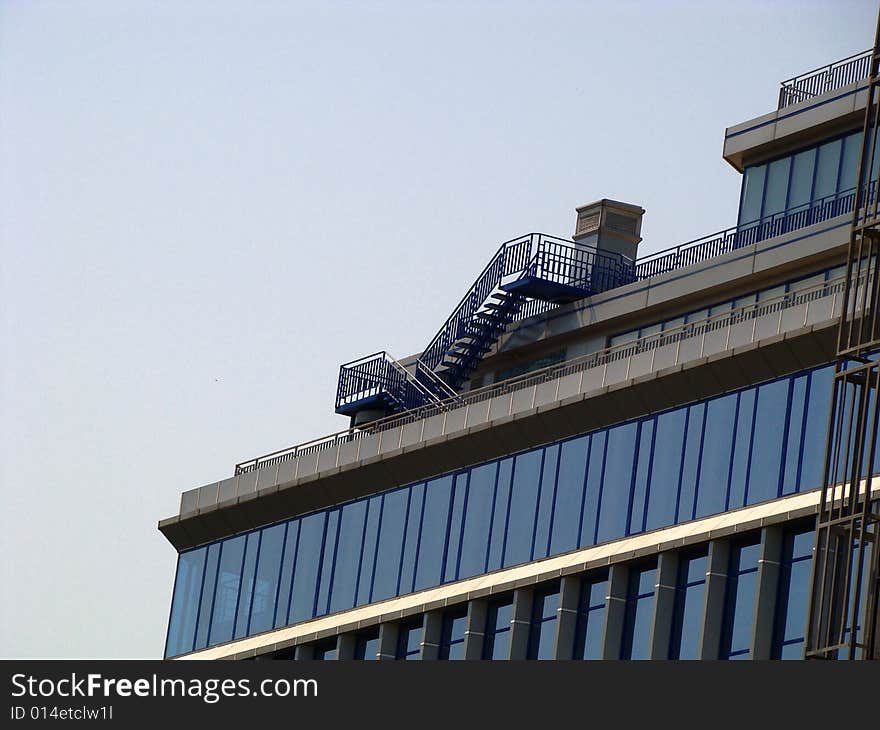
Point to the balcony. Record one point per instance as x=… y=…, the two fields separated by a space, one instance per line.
x=827 y=78
x=792 y=311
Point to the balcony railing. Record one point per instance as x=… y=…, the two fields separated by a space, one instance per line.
x=716 y=244
x=818 y=81
x=646 y=267
x=606 y=356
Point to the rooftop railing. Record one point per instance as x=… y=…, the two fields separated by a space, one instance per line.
x=722 y=242
x=602 y=357
x=818 y=81
x=646 y=267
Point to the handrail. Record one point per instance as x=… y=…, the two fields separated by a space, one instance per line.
x=604 y=356
x=438 y=382
x=825 y=78
x=408 y=376
x=721 y=242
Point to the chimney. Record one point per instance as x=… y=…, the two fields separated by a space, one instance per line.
x=609 y=226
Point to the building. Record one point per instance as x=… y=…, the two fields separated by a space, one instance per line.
x=599 y=455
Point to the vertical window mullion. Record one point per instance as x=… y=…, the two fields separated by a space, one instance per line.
x=491 y=518
x=538 y=501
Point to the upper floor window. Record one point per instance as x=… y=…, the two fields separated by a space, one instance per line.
x=591 y=618
x=409 y=639
x=739 y=609
x=452 y=633
x=496 y=640
x=801 y=179
x=542 y=633
x=689 y=603
x=639 y=613
x=793 y=597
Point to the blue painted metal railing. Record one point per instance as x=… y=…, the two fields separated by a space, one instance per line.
x=477 y=321
x=376 y=378
x=818 y=81
x=613 y=353
x=563 y=262
x=716 y=244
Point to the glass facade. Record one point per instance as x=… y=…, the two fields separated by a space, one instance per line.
x=802 y=179
x=793 y=595
x=496 y=641
x=409 y=639
x=696 y=460
x=542 y=631
x=689 y=604
x=366 y=645
x=591 y=618
x=639 y=613
x=739 y=610
x=452 y=633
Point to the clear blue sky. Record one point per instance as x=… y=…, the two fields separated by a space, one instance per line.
x=207 y=206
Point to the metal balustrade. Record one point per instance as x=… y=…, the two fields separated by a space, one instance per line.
x=563 y=262
x=730 y=239
x=826 y=78
x=626 y=351
x=531 y=268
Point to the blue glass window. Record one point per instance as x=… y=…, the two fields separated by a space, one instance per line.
x=591 y=618
x=478 y=519
x=739 y=608
x=568 y=504
x=498 y=533
x=286 y=578
x=689 y=601
x=813 y=176
x=542 y=632
x=266 y=579
x=752 y=193
x=849 y=162
x=206 y=604
x=666 y=468
x=185 y=602
x=642 y=476
x=693 y=449
x=546 y=495
x=248 y=575
x=452 y=633
x=801 y=186
x=691 y=461
x=793 y=597
x=456 y=525
x=366 y=645
x=639 y=613
x=767 y=451
x=617 y=481
x=409 y=639
x=595 y=474
x=368 y=554
x=827 y=168
x=776 y=188
x=347 y=563
x=226 y=590
x=414 y=521
x=523 y=504
x=390 y=546
x=432 y=544
x=305 y=572
x=496 y=639
x=324 y=651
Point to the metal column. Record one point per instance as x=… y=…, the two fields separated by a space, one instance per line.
x=843 y=610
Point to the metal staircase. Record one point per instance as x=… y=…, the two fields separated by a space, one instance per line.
x=535 y=267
